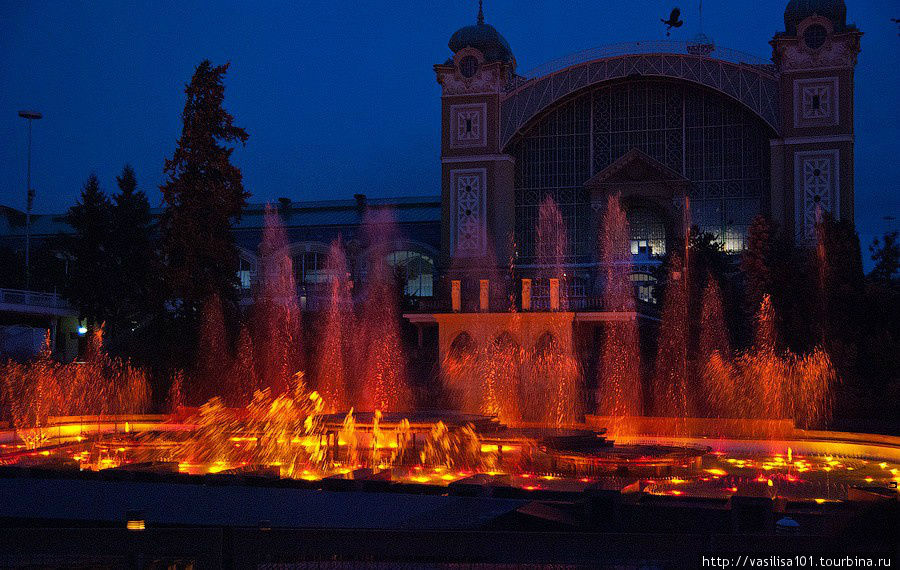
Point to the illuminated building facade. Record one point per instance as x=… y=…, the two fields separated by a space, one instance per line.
x=685 y=132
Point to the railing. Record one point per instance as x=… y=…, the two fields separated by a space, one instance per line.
x=538 y=305
x=33 y=299
x=640 y=48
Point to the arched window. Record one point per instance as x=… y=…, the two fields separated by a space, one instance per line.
x=417 y=270
x=718 y=145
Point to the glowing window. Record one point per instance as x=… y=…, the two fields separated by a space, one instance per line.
x=246 y=273
x=644 y=286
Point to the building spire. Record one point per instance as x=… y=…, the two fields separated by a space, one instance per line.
x=701 y=16
x=480 y=13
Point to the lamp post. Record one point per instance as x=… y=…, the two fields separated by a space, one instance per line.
x=29 y=116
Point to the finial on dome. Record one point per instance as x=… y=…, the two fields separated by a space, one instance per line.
x=480 y=13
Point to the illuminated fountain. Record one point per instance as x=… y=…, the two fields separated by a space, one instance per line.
x=336 y=349
x=714 y=355
x=383 y=363
x=551 y=391
x=517 y=425
x=33 y=393
x=277 y=317
x=619 y=392
x=670 y=376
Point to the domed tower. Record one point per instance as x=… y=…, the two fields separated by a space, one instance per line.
x=812 y=162
x=477 y=179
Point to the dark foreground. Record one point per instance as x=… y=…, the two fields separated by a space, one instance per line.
x=54 y=519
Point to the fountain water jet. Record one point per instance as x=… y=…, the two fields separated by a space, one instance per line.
x=552 y=247
x=335 y=362
x=619 y=393
x=213 y=356
x=714 y=354
x=384 y=384
x=278 y=333
x=99 y=385
x=243 y=378
x=483 y=378
x=551 y=390
x=671 y=369
x=501 y=366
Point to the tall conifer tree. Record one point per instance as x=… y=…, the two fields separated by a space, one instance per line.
x=89 y=285
x=133 y=256
x=203 y=195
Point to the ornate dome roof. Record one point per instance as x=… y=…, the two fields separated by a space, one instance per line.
x=799 y=10
x=485 y=38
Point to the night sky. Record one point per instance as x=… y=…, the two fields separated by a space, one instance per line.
x=340 y=97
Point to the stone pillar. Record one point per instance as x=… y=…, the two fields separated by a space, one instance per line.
x=455 y=296
x=526 y=294
x=554 y=294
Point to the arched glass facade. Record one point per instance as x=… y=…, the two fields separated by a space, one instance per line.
x=718 y=145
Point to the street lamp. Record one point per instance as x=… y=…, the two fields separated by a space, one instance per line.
x=29 y=116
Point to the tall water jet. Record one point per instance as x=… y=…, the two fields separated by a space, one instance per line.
x=670 y=374
x=619 y=393
x=714 y=354
x=765 y=336
x=767 y=372
x=501 y=370
x=551 y=390
x=552 y=248
x=277 y=312
x=335 y=362
x=713 y=330
x=243 y=379
x=462 y=374
x=384 y=385
x=213 y=355
x=469 y=369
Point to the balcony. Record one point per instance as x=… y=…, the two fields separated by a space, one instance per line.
x=34 y=303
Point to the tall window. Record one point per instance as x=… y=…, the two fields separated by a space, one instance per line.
x=417 y=270
x=246 y=273
x=309 y=267
x=648 y=233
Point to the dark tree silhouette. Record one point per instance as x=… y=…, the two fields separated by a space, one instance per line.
x=90 y=287
x=886 y=255
x=203 y=196
x=757 y=262
x=133 y=258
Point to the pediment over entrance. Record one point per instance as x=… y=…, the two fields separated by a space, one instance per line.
x=644 y=185
x=638 y=175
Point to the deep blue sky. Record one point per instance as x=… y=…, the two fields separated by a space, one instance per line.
x=339 y=97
